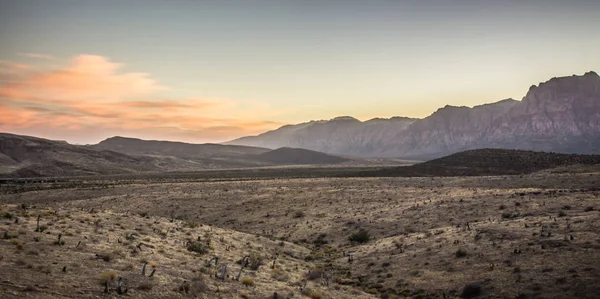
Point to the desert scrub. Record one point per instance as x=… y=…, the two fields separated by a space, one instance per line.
x=279 y=275
x=108 y=276
x=6 y=215
x=198 y=247
x=362 y=236
x=460 y=253
x=299 y=214
x=17 y=243
x=471 y=290
x=248 y=281
x=255 y=260
x=316 y=295
x=145 y=286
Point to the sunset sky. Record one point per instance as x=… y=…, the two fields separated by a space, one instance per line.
x=211 y=71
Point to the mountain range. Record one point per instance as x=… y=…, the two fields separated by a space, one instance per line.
x=560 y=115
x=27 y=156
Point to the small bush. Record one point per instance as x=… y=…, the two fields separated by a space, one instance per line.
x=255 y=260
x=108 y=276
x=316 y=295
x=198 y=247
x=589 y=209
x=460 y=253
x=299 y=214
x=314 y=274
x=199 y=285
x=248 y=281
x=279 y=274
x=471 y=290
x=362 y=236
x=562 y=214
x=105 y=256
x=145 y=286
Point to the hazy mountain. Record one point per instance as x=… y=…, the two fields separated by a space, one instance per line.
x=341 y=135
x=562 y=115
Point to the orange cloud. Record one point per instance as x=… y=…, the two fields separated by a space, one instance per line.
x=91 y=99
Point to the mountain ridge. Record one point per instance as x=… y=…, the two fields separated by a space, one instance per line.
x=28 y=156
x=561 y=114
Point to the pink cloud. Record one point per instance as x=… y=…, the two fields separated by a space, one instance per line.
x=92 y=98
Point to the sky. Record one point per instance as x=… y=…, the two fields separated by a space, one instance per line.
x=210 y=71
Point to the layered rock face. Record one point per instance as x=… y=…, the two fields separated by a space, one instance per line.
x=561 y=115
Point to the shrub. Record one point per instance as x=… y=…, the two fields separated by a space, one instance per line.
x=6 y=215
x=460 y=253
x=562 y=214
x=316 y=295
x=108 y=276
x=198 y=285
x=362 y=236
x=279 y=274
x=198 y=247
x=299 y=214
x=255 y=260
x=105 y=256
x=320 y=240
x=471 y=290
x=589 y=209
x=314 y=274
x=248 y=281
x=145 y=286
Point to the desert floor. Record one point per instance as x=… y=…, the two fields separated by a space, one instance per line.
x=531 y=236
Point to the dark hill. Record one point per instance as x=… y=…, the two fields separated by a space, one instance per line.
x=487 y=162
x=26 y=156
x=297 y=156
x=179 y=149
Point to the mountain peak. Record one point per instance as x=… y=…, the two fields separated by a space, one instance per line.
x=344 y=118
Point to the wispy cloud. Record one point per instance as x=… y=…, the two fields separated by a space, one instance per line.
x=92 y=98
x=12 y=66
x=36 y=55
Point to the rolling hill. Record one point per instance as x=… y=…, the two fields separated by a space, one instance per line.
x=487 y=162
x=296 y=156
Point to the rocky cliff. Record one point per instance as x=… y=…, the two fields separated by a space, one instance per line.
x=561 y=115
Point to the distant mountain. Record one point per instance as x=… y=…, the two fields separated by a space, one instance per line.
x=487 y=162
x=561 y=115
x=26 y=156
x=298 y=156
x=206 y=155
x=342 y=135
